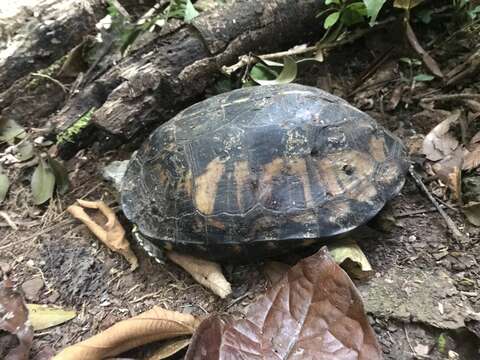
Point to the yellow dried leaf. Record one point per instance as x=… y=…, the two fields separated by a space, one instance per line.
x=111 y=233
x=205 y=272
x=349 y=255
x=153 y=325
x=43 y=317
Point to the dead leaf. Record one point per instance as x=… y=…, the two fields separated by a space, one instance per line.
x=471 y=159
x=44 y=317
x=274 y=271
x=472 y=212
x=205 y=272
x=153 y=325
x=14 y=319
x=429 y=62
x=475 y=138
x=349 y=255
x=439 y=142
x=111 y=233
x=169 y=348
x=449 y=171
x=315 y=312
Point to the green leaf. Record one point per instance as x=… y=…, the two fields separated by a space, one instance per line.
x=328 y=2
x=9 y=130
x=425 y=15
x=43 y=182
x=190 y=12
x=24 y=150
x=4 y=185
x=262 y=72
x=43 y=317
x=373 y=8
x=288 y=74
x=331 y=20
x=61 y=175
x=423 y=77
x=353 y=14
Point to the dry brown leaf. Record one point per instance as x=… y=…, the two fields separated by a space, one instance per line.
x=275 y=270
x=205 y=272
x=429 y=62
x=475 y=138
x=153 y=325
x=315 y=312
x=439 y=142
x=449 y=171
x=111 y=233
x=169 y=348
x=471 y=159
x=14 y=319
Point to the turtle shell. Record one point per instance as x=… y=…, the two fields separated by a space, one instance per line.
x=257 y=171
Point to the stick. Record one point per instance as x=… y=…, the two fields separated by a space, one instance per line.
x=457 y=234
x=449 y=97
x=245 y=60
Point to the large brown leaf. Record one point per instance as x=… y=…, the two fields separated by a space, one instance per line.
x=314 y=312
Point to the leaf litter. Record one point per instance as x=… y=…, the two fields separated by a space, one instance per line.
x=14 y=319
x=315 y=311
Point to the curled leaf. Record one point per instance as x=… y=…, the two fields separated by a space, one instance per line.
x=351 y=257
x=287 y=75
x=14 y=319
x=153 y=325
x=111 y=233
x=44 y=317
x=205 y=272
x=169 y=348
x=429 y=62
x=439 y=142
x=314 y=312
x=43 y=182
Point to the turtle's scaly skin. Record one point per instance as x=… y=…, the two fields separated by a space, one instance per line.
x=259 y=170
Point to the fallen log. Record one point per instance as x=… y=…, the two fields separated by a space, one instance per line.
x=42 y=34
x=171 y=72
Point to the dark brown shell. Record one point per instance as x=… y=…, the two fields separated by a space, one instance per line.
x=256 y=170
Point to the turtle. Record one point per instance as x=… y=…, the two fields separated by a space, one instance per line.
x=260 y=171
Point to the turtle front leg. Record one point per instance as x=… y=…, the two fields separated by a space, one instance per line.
x=154 y=251
x=206 y=273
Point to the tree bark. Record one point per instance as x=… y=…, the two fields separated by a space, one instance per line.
x=172 y=71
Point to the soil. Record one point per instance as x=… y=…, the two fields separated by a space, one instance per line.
x=80 y=273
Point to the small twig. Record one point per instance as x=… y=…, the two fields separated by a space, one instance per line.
x=55 y=81
x=457 y=234
x=414 y=212
x=9 y=220
x=245 y=60
x=411 y=347
x=450 y=97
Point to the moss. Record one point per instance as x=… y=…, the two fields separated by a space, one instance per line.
x=70 y=134
x=35 y=81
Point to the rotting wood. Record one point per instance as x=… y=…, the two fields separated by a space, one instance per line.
x=172 y=71
x=52 y=28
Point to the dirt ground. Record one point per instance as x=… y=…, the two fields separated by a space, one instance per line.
x=75 y=271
